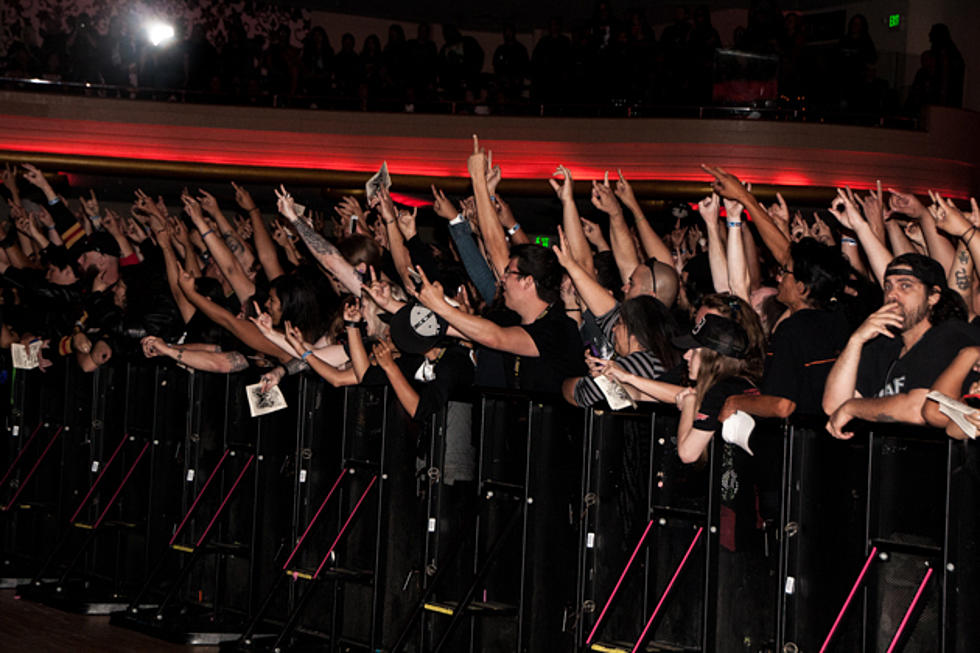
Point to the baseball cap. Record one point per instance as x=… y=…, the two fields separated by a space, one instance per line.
x=415 y=329
x=717 y=333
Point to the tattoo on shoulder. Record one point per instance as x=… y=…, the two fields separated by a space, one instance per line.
x=317 y=243
x=236 y=361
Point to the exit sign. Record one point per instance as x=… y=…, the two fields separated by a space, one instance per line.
x=894 y=21
x=544 y=241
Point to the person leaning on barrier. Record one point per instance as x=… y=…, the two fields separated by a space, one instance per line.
x=891 y=360
x=808 y=339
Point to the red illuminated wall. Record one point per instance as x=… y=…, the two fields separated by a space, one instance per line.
x=788 y=154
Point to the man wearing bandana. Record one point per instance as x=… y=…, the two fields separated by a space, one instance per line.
x=892 y=359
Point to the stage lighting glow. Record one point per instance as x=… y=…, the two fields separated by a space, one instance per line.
x=159 y=32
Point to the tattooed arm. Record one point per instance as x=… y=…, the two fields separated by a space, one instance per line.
x=221 y=362
x=323 y=250
x=960 y=275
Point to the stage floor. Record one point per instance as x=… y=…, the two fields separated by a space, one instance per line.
x=28 y=626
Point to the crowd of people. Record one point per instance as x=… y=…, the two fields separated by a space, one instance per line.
x=783 y=306
x=248 y=53
x=852 y=313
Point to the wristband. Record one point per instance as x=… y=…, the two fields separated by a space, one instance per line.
x=457 y=220
x=493 y=198
x=847 y=240
x=352 y=324
x=207 y=233
x=180 y=355
x=306 y=353
x=513 y=230
x=734 y=225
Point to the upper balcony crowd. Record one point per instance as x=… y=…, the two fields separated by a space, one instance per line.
x=261 y=54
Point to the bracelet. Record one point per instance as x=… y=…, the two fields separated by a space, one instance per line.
x=493 y=198
x=207 y=233
x=254 y=208
x=352 y=324
x=51 y=227
x=847 y=240
x=180 y=355
x=573 y=310
x=513 y=230
x=971 y=231
x=734 y=225
x=305 y=354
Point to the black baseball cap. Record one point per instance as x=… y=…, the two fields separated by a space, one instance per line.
x=925 y=269
x=415 y=329
x=717 y=333
x=99 y=241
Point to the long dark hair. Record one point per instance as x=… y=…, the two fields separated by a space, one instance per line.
x=651 y=323
x=300 y=305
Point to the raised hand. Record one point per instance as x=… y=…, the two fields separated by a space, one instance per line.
x=603 y=197
x=9 y=178
x=494 y=174
x=243 y=227
x=476 y=163
x=624 y=191
x=733 y=208
x=562 y=250
x=382 y=351
x=593 y=233
x=442 y=206
x=294 y=337
x=949 y=218
x=906 y=203
x=262 y=320
x=286 y=204
x=208 y=203
x=563 y=189
x=429 y=293
x=34 y=176
x=709 y=208
x=406 y=223
x=91 y=205
x=845 y=209
x=243 y=197
x=352 y=311
x=725 y=184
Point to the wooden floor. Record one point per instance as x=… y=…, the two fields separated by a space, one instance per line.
x=27 y=626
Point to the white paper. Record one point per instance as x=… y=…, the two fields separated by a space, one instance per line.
x=381 y=179
x=737 y=429
x=956 y=411
x=616 y=395
x=25 y=357
x=262 y=403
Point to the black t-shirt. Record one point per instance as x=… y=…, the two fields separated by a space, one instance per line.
x=882 y=373
x=559 y=357
x=800 y=355
x=449 y=375
x=738 y=513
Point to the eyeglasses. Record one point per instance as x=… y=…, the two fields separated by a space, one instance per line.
x=509 y=271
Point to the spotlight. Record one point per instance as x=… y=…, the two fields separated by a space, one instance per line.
x=159 y=32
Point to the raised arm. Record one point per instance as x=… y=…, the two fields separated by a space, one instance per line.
x=728 y=186
x=186 y=308
x=653 y=245
x=492 y=232
x=845 y=209
x=322 y=250
x=220 y=362
x=229 y=265
x=480 y=330
x=265 y=247
x=469 y=253
x=244 y=330
x=709 y=208
x=620 y=238
x=578 y=244
x=596 y=298
x=738 y=270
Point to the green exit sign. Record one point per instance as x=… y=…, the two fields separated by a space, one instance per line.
x=894 y=20
x=544 y=241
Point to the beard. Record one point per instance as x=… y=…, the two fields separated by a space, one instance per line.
x=911 y=318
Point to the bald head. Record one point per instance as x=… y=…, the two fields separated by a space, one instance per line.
x=653 y=279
